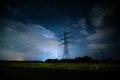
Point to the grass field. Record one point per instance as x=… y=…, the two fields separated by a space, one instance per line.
x=66 y=66
x=59 y=71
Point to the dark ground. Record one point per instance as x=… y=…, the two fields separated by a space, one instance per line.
x=19 y=73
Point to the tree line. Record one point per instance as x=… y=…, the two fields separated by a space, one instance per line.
x=80 y=59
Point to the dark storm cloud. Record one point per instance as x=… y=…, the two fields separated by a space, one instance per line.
x=82 y=25
x=95 y=26
x=99 y=14
x=98 y=33
x=102 y=28
x=102 y=38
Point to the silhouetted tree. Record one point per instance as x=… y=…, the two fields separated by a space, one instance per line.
x=86 y=59
x=52 y=60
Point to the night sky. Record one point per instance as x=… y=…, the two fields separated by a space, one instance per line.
x=31 y=29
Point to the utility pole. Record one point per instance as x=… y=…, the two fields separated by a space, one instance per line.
x=102 y=54
x=65 y=43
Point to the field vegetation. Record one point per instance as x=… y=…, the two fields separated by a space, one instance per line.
x=87 y=66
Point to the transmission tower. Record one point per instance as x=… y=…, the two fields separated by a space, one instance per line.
x=65 y=43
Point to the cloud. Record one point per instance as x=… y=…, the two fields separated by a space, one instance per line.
x=26 y=41
x=100 y=34
x=97 y=46
x=81 y=23
x=82 y=26
x=84 y=32
x=98 y=14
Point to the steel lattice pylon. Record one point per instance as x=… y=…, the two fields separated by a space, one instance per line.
x=65 y=43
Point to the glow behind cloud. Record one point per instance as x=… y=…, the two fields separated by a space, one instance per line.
x=27 y=42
